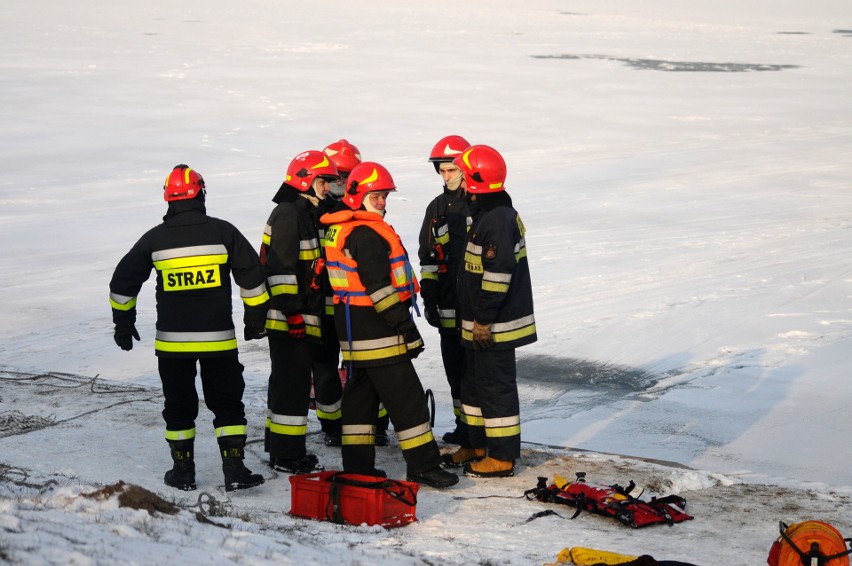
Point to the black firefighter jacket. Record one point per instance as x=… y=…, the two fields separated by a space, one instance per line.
x=289 y=254
x=494 y=283
x=442 y=241
x=194 y=255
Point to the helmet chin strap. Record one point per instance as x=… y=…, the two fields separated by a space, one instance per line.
x=454 y=183
x=370 y=208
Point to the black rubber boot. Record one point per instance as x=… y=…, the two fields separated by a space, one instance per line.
x=182 y=474
x=237 y=476
x=438 y=478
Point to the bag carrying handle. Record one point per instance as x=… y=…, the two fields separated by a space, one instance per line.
x=393 y=488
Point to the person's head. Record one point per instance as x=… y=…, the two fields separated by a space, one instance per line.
x=183 y=184
x=310 y=172
x=484 y=170
x=368 y=187
x=345 y=157
x=442 y=156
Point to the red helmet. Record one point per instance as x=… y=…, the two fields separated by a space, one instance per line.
x=306 y=167
x=182 y=184
x=484 y=169
x=366 y=177
x=344 y=155
x=447 y=149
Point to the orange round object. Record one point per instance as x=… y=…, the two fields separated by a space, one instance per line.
x=804 y=535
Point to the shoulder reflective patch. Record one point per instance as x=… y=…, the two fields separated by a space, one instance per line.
x=183 y=279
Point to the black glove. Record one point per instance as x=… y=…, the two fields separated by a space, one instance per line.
x=412 y=338
x=482 y=339
x=124 y=337
x=432 y=316
x=250 y=333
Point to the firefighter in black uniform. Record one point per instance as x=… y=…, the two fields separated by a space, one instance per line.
x=374 y=289
x=441 y=249
x=327 y=379
x=292 y=258
x=195 y=255
x=496 y=302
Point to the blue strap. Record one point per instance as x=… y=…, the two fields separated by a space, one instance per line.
x=345 y=298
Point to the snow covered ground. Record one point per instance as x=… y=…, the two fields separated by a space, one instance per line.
x=683 y=170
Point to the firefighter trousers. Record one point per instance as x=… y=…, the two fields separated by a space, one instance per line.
x=221 y=383
x=399 y=389
x=490 y=406
x=328 y=391
x=288 y=396
x=453 y=355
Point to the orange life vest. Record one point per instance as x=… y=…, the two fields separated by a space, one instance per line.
x=343 y=270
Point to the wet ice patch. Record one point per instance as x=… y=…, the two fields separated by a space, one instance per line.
x=573 y=373
x=678 y=66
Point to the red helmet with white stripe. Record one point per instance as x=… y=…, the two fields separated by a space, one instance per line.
x=447 y=149
x=344 y=155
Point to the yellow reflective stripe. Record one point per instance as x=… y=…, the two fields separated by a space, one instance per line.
x=283 y=284
x=232 y=430
x=376 y=354
x=255 y=301
x=426 y=275
x=472 y=416
x=254 y=297
x=218 y=346
x=309 y=255
x=521 y=255
x=514 y=334
x=288 y=425
x=504 y=331
x=494 y=287
x=414 y=436
x=358 y=434
x=382 y=294
x=443 y=235
x=420 y=440
x=329 y=416
x=504 y=336
x=266 y=238
x=382 y=411
x=387 y=302
x=187 y=434
x=121 y=303
x=193 y=261
x=288 y=430
x=502 y=432
x=275 y=320
x=353 y=439
x=472 y=420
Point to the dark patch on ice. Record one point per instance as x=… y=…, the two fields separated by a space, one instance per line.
x=678 y=66
x=571 y=373
x=794 y=33
x=844 y=32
